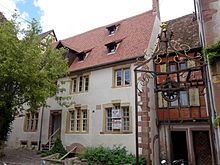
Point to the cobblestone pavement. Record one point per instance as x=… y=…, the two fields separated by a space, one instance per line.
x=20 y=157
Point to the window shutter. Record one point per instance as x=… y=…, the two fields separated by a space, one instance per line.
x=161 y=102
x=67 y=121
x=163 y=68
x=71 y=87
x=191 y=63
x=194 y=96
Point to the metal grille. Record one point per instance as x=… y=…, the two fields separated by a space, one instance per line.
x=202 y=148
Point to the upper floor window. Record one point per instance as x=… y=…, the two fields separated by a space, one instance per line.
x=117 y=119
x=112 y=29
x=81 y=56
x=183 y=100
x=79 y=84
x=122 y=77
x=186 y=98
x=31 y=122
x=77 y=120
x=112 y=47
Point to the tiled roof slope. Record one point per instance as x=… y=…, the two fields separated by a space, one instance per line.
x=185 y=30
x=135 y=33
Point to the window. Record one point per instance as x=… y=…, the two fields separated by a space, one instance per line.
x=122 y=77
x=78 y=120
x=183 y=65
x=183 y=100
x=74 y=85
x=81 y=56
x=79 y=84
x=172 y=67
x=112 y=47
x=117 y=119
x=112 y=29
x=31 y=122
x=86 y=83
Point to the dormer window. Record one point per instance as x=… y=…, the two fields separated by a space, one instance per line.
x=112 y=29
x=112 y=47
x=82 y=55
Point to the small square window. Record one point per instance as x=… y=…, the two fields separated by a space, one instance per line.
x=81 y=56
x=111 y=48
x=183 y=65
x=112 y=29
x=172 y=67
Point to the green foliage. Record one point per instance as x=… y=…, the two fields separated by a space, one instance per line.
x=28 y=71
x=57 y=148
x=217 y=121
x=213 y=52
x=104 y=155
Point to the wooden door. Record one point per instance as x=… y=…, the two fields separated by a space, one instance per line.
x=202 y=148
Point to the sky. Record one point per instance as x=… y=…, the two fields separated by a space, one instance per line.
x=72 y=17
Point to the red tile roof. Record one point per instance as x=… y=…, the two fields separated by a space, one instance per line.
x=185 y=30
x=135 y=33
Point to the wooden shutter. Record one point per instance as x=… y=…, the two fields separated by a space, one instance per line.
x=67 y=121
x=191 y=63
x=161 y=102
x=194 y=97
x=163 y=68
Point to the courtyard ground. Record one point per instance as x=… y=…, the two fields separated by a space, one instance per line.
x=20 y=157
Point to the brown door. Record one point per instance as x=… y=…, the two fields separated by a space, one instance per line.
x=202 y=148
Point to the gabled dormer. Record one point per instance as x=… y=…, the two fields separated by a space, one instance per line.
x=112 y=47
x=82 y=55
x=112 y=29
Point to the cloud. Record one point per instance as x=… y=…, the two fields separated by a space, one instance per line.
x=71 y=17
x=8 y=7
x=170 y=9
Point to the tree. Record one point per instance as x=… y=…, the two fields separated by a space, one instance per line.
x=28 y=73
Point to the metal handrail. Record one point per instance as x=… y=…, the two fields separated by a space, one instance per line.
x=49 y=139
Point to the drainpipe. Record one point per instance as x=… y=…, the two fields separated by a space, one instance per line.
x=136 y=116
x=41 y=126
x=209 y=93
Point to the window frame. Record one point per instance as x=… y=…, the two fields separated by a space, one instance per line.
x=78 y=121
x=79 y=84
x=31 y=123
x=108 y=120
x=112 y=29
x=122 y=80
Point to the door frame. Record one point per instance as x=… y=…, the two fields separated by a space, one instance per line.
x=50 y=125
x=189 y=139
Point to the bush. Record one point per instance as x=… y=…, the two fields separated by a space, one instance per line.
x=57 y=148
x=103 y=155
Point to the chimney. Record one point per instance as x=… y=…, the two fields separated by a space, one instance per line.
x=156 y=7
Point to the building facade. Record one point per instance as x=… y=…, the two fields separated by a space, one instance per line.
x=208 y=15
x=99 y=88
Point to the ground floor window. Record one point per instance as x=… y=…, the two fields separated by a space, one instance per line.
x=117 y=119
x=77 y=120
x=31 y=122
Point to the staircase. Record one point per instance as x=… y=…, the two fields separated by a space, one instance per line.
x=51 y=140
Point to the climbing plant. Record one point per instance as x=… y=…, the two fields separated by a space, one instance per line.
x=217 y=121
x=213 y=52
